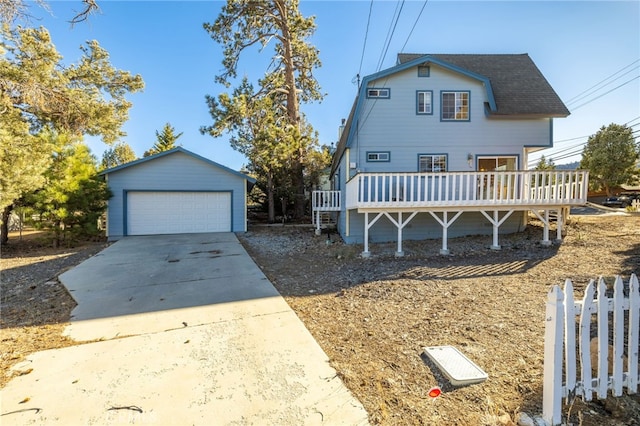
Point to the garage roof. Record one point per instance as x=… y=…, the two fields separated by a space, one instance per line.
x=249 y=179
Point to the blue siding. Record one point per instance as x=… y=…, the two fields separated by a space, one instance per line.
x=177 y=171
x=393 y=125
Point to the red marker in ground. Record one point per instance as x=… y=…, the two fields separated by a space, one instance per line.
x=434 y=392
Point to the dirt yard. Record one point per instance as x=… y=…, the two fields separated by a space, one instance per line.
x=373 y=316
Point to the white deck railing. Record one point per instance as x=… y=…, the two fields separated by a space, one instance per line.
x=467 y=189
x=325 y=201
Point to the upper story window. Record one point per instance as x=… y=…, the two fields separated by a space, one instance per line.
x=424 y=71
x=432 y=163
x=424 y=102
x=379 y=156
x=455 y=106
x=377 y=93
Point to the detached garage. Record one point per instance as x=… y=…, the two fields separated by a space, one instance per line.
x=175 y=192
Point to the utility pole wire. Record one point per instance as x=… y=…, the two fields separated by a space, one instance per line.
x=599 y=88
x=390 y=35
x=617 y=72
x=365 y=41
x=414 y=25
x=606 y=93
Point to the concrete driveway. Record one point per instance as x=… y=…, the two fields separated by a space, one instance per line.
x=177 y=330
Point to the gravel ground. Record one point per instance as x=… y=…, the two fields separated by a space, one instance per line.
x=373 y=316
x=34 y=306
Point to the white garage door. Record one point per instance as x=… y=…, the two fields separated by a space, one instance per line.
x=151 y=213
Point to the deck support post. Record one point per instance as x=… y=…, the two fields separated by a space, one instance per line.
x=399 y=252
x=366 y=252
x=560 y=220
x=445 y=223
x=400 y=224
x=545 y=231
x=496 y=222
x=368 y=225
x=318 y=230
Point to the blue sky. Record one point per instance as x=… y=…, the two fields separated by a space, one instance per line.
x=576 y=45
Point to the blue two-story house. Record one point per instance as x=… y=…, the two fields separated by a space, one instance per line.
x=438 y=146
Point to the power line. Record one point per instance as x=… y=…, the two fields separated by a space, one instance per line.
x=607 y=92
x=414 y=25
x=392 y=30
x=600 y=82
x=571 y=139
x=633 y=119
x=576 y=149
x=365 y=41
x=599 y=88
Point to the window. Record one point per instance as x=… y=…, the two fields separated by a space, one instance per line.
x=455 y=106
x=378 y=93
x=423 y=100
x=432 y=163
x=378 y=156
x=424 y=71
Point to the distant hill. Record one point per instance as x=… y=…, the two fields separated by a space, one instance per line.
x=568 y=166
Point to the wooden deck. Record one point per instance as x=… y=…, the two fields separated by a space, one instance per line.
x=447 y=195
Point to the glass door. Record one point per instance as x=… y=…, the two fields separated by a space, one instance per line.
x=494 y=164
x=496 y=186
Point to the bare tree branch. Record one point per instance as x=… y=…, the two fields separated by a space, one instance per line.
x=90 y=6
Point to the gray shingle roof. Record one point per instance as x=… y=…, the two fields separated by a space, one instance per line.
x=519 y=88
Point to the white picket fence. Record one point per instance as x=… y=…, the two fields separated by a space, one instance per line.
x=561 y=354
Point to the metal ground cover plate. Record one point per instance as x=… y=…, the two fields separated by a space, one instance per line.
x=459 y=369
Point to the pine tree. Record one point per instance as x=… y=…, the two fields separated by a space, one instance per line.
x=120 y=153
x=289 y=80
x=611 y=156
x=38 y=91
x=72 y=198
x=165 y=140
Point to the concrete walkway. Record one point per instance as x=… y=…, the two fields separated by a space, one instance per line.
x=179 y=330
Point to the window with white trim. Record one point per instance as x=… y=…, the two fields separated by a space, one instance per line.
x=432 y=163
x=424 y=102
x=377 y=93
x=378 y=156
x=455 y=106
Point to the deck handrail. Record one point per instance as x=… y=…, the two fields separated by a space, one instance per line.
x=521 y=187
x=325 y=201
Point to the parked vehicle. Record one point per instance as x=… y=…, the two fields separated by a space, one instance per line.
x=630 y=196
x=618 y=201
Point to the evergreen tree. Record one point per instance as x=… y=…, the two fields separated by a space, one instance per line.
x=544 y=164
x=38 y=91
x=289 y=80
x=117 y=155
x=165 y=141
x=72 y=198
x=611 y=156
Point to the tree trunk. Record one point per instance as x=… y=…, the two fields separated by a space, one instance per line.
x=293 y=109
x=299 y=201
x=4 y=229
x=271 y=199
